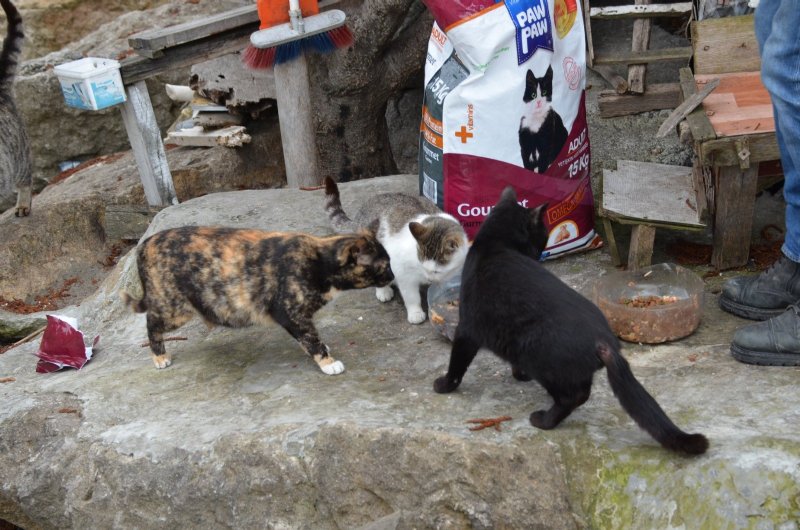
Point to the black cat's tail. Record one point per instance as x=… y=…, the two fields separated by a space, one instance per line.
x=644 y=410
x=12 y=47
x=333 y=207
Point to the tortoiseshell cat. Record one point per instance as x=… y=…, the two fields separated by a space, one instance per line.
x=510 y=304
x=15 y=156
x=424 y=244
x=240 y=277
x=541 y=131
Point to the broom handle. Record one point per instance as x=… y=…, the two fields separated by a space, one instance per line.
x=296 y=16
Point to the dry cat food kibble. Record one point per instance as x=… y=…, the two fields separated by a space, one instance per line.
x=648 y=301
x=652 y=319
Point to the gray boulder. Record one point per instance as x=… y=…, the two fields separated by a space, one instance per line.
x=243 y=431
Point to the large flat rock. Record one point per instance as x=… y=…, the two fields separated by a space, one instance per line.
x=244 y=431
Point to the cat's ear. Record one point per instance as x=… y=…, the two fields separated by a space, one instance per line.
x=373 y=227
x=537 y=214
x=549 y=73
x=418 y=230
x=508 y=195
x=355 y=251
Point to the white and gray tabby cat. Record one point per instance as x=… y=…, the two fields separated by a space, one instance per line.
x=15 y=154
x=424 y=244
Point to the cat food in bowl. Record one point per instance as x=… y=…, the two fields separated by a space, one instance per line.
x=443 y=305
x=656 y=304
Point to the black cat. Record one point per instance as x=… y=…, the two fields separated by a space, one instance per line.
x=512 y=305
x=541 y=132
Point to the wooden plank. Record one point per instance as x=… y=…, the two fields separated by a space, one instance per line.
x=161 y=38
x=613 y=249
x=649 y=56
x=619 y=83
x=639 y=43
x=652 y=193
x=149 y=42
x=148 y=149
x=135 y=69
x=724 y=45
x=685 y=108
x=640 y=253
x=587 y=28
x=657 y=96
x=702 y=129
x=677 y=9
x=723 y=151
x=733 y=219
x=127 y=221
x=296 y=123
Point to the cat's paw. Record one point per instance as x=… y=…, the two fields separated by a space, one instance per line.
x=331 y=367
x=384 y=294
x=520 y=375
x=540 y=420
x=416 y=316
x=444 y=385
x=162 y=361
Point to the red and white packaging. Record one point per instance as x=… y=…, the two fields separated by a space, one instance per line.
x=505 y=105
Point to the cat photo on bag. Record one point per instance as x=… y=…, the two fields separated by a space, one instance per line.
x=542 y=134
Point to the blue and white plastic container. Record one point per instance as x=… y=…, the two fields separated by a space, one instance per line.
x=91 y=83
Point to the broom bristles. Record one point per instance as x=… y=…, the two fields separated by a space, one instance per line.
x=325 y=42
x=258 y=58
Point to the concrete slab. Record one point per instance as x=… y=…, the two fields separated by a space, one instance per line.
x=244 y=431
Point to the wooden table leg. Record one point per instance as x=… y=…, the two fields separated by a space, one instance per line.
x=640 y=253
x=148 y=148
x=612 y=242
x=734 y=198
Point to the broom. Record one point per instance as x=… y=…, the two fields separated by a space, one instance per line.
x=284 y=32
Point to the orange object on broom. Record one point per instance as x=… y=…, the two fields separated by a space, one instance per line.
x=291 y=27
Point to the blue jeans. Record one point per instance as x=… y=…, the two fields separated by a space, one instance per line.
x=777 y=26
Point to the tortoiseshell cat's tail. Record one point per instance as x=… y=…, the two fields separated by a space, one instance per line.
x=333 y=207
x=644 y=410
x=138 y=306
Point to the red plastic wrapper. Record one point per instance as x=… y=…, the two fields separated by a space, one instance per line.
x=63 y=346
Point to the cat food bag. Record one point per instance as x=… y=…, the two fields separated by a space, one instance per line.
x=504 y=105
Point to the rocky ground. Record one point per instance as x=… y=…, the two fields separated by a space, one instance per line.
x=247 y=437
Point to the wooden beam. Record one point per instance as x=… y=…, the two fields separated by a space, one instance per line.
x=735 y=193
x=296 y=120
x=147 y=42
x=688 y=105
x=701 y=127
x=148 y=149
x=678 y=9
x=724 y=151
x=150 y=43
x=136 y=69
x=640 y=253
x=639 y=43
x=724 y=45
x=657 y=96
x=619 y=83
x=648 y=56
x=587 y=28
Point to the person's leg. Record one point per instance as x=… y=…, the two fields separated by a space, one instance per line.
x=770 y=293
x=777 y=341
